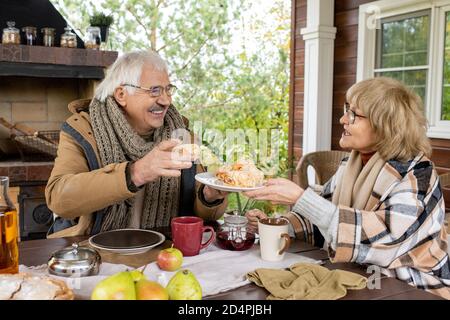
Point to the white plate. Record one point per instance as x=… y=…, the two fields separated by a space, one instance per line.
x=209 y=179
x=129 y=251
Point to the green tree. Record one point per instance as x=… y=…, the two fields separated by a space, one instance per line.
x=225 y=83
x=192 y=35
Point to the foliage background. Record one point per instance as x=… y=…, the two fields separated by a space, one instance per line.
x=230 y=58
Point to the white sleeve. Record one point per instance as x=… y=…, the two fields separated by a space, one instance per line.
x=320 y=212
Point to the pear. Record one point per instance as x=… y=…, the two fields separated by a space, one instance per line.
x=150 y=290
x=137 y=275
x=184 y=286
x=119 y=286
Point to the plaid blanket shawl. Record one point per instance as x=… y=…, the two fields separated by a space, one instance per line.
x=403 y=233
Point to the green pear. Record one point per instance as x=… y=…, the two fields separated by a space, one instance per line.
x=184 y=286
x=119 y=286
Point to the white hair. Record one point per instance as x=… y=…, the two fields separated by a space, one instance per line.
x=127 y=69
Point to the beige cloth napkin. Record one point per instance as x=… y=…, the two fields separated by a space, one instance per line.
x=305 y=281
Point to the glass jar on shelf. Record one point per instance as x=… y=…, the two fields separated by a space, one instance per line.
x=11 y=35
x=234 y=234
x=68 y=39
x=48 y=37
x=93 y=38
x=30 y=35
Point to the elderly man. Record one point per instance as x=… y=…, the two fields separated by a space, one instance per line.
x=115 y=168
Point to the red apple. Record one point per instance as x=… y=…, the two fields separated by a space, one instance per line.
x=170 y=259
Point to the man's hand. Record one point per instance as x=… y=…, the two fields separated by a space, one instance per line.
x=212 y=195
x=277 y=191
x=159 y=162
x=253 y=217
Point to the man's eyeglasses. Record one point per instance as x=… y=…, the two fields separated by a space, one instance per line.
x=351 y=115
x=156 y=91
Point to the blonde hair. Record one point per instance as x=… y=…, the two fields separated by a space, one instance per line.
x=396 y=114
x=128 y=69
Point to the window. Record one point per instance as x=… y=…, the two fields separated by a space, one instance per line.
x=402 y=50
x=410 y=41
x=445 y=111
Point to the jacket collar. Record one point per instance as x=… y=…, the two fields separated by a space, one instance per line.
x=79 y=105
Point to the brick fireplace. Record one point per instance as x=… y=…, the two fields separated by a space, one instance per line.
x=36 y=85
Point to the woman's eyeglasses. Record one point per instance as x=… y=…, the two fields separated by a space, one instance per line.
x=351 y=115
x=156 y=91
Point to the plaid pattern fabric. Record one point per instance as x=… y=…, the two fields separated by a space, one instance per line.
x=403 y=232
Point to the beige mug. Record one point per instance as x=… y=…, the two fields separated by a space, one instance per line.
x=274 y=238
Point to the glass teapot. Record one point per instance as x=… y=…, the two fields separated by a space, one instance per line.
x=234 y=234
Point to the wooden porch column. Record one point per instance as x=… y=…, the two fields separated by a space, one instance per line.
x=319 y=36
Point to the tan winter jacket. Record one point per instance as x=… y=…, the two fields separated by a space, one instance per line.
x=73 y=191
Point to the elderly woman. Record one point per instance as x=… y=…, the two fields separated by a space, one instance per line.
x=384 y=206
x=114 y=167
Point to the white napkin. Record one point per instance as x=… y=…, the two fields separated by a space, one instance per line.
x=216 y=270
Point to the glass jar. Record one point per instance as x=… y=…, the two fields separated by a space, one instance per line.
x=11 y=35
x=48 y=37
x=9 y=235
x=30 y=35
x=93 y=38
x=68 y=39
x=234 y=234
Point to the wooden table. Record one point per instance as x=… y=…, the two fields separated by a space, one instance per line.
x=37 y=252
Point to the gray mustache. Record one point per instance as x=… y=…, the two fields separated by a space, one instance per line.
x=156 y=108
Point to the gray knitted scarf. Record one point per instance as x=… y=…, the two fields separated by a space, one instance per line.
x=118 y=142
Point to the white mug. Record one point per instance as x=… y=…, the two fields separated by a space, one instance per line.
x=273 y=238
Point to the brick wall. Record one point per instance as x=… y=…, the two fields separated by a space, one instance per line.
x=37 y=102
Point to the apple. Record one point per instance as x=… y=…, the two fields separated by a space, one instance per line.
x=170 y=259
x=150 y=290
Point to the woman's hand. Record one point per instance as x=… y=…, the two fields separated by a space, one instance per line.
x=253 y=217
x=212 y=195
x=277 y=191
x=157 y=163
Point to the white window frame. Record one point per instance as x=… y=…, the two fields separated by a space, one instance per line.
x=370 y=15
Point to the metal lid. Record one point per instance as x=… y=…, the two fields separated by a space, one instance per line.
x=68 y=32
x=74 y=261
x=11 y=28
x=236 y=221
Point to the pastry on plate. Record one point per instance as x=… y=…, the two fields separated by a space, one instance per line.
x=243 y=173
x=25 y=286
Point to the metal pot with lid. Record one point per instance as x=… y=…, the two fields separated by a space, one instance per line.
x=74 y=261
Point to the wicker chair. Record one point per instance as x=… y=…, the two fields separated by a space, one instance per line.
x=445 y=180
x=445 y=183
x=325 y=164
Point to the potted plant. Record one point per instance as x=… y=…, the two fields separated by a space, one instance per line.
x=103 y=21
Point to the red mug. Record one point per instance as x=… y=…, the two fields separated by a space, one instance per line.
x=187 y=235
